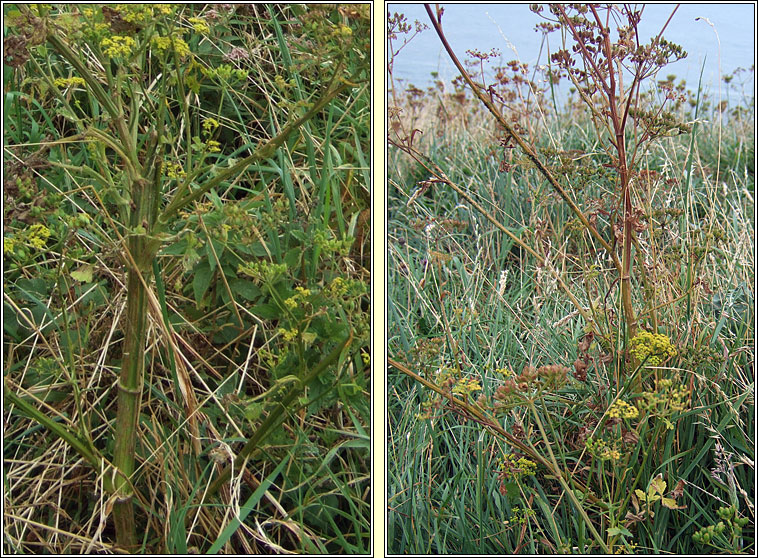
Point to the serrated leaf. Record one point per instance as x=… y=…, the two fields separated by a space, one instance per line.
x=640 y=495
x=613 y=531
x=176 y=249
x=202 y=280
x=83 y=274
x=657 y=486
x=670 y=503
x=309 y=338
x=512 y=490
x=214 y=246
x=253 y=411
x=246 y=289
x=292 y=257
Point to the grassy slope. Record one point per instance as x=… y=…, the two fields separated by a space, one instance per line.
x=443 y=285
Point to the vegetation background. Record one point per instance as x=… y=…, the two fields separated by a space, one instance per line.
x=523 y=418
x=254 y=311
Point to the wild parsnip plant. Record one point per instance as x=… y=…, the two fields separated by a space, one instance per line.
x=570 y=302
x=185 y=254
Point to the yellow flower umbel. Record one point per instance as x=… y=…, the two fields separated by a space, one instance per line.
x=622 y=409
x=69 y=82
x=38 y=235
x=602 y=449
x=668 y=400
x=652 y=348
x=117 y=46
x=300 y=297
x=199 y=25
x=512 y=469
x=209 y=126
x=9 y=244
x=174 y=42
x=466 y=386
x=174 y=170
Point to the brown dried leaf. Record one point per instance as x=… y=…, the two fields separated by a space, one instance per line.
x=629 y=437
x=678 y=490
x=584 y=344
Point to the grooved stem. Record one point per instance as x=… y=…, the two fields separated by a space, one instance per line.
x=129 y=394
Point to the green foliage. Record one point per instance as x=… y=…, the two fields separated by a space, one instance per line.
x=195 y=178
x=639 y=435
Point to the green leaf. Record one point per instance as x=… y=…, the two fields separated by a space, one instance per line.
x=512 y=490
x=202 y=280
x=83 y=274
x=640 y=495
x=292 y=257
x=657 y=486
x=177 y=248
x=670 y=503
x=258 y=249
x=266 y=311
x=253 y=411
x=246 y=289
x=215 y=199
x=214 y=246
x=613 y=531
x=10 y=323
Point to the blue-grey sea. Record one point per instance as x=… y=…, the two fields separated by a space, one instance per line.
x=717 y=37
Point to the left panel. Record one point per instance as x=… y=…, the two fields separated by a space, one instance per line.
x=187 y=278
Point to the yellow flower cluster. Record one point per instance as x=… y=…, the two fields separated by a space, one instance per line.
x=213 y=146
x=174 y=42
x=602 y=449
x=516 y=469
x=263 y=271
x=142 y=13
x=226 y=73
x=210 y=125
x=164 y=9
x=117 y=45
x=652 y=348
x=9 y=244
x=466 y=386
x=35 y=237
x=38 y=235
x=288 y=334
x=329 y=244
x=174 y=170
x=300 y=296
x=342 y=31
x=67 y=82
x=338 y=287
x=666 y=400
x=622 y=409
x=200 y=25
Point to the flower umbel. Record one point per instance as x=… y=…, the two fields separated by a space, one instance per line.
x=117 y=46
x=512 y=469
x=622 y=409
x=653 y=348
